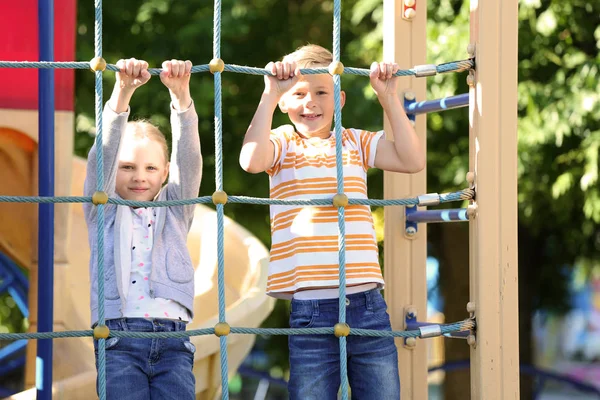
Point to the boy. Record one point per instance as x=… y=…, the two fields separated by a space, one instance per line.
x=304 y=253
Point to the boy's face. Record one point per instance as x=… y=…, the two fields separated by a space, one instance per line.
x=142 y=168
x=310 y=105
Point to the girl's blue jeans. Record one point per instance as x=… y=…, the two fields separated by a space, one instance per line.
x=315 y=359
x=142 y=369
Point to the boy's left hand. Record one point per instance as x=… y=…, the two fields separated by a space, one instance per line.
x=176 y=77
x=382 y=79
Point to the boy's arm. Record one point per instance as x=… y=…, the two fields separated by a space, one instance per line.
x=404 y=153
x=258 y=152
x=185 y=170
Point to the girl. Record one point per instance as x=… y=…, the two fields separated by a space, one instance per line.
x=149 y=285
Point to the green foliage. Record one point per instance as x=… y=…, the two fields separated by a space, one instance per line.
x=559 y=106
x=448 y=132
x=559 y=132
x=11 y=319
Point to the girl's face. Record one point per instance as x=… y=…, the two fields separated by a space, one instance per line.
x=142 y=168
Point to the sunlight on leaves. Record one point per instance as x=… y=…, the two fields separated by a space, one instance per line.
x=378 y=222
x=563 y=183
x=546 y=23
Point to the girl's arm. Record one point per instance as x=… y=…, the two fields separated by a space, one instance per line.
x=114 y=124
x=185 y=171
x=133 y=73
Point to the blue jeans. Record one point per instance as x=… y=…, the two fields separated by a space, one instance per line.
x=143 y=369
x=315 y=359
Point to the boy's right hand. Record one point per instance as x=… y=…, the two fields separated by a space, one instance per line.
x=284 y=75
x=132 y=74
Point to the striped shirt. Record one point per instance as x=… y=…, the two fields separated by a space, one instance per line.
x=304 y=240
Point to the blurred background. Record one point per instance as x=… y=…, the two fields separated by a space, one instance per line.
x=559 y=142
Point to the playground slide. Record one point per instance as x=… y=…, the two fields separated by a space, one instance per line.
x=246 y=261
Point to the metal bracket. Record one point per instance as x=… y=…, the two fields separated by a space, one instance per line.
x=430 y=329
x=425 y=70
x=429 y=199
x=410 y=228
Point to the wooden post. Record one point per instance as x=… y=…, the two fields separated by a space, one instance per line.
x=493 y=233
x=404 y=41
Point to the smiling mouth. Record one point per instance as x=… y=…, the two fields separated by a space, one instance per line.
x=310 y=116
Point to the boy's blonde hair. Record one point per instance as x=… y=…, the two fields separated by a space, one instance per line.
x=144 y=129
x=311 y=56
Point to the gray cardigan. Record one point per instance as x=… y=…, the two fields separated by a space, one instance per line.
x=172 y=275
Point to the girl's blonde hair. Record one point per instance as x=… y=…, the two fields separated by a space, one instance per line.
x=144 y=129
x=311 y=56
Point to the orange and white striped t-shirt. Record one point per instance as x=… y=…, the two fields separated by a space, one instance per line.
x=304 y=247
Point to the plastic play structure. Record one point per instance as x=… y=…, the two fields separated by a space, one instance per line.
x=491 y=318
x=74 y=373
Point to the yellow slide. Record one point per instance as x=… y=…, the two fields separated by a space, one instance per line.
x=246 y=261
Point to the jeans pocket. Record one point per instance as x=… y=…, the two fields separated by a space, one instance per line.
x=110 y=344
x=189 y=346
x=379 y=312
x=302 y=320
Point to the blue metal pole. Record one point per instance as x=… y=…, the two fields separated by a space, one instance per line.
x=450 y=215
x=446 y=103
x=46 y=211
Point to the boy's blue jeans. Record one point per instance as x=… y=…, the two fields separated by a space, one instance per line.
x=142 y=369
x=315 y=359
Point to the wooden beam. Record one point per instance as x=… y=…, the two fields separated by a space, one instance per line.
x=404 y=41
x=493 y=233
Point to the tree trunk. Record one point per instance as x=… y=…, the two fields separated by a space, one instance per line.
x=453 y=256
x=528 y=287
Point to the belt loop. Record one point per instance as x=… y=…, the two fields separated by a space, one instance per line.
x=369 y=300
x=315 y=304
x=122 y=324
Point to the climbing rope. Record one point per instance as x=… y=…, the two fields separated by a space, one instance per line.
x=465 y=194
x=454 y=66
x=467 y=324
x=219 y=198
